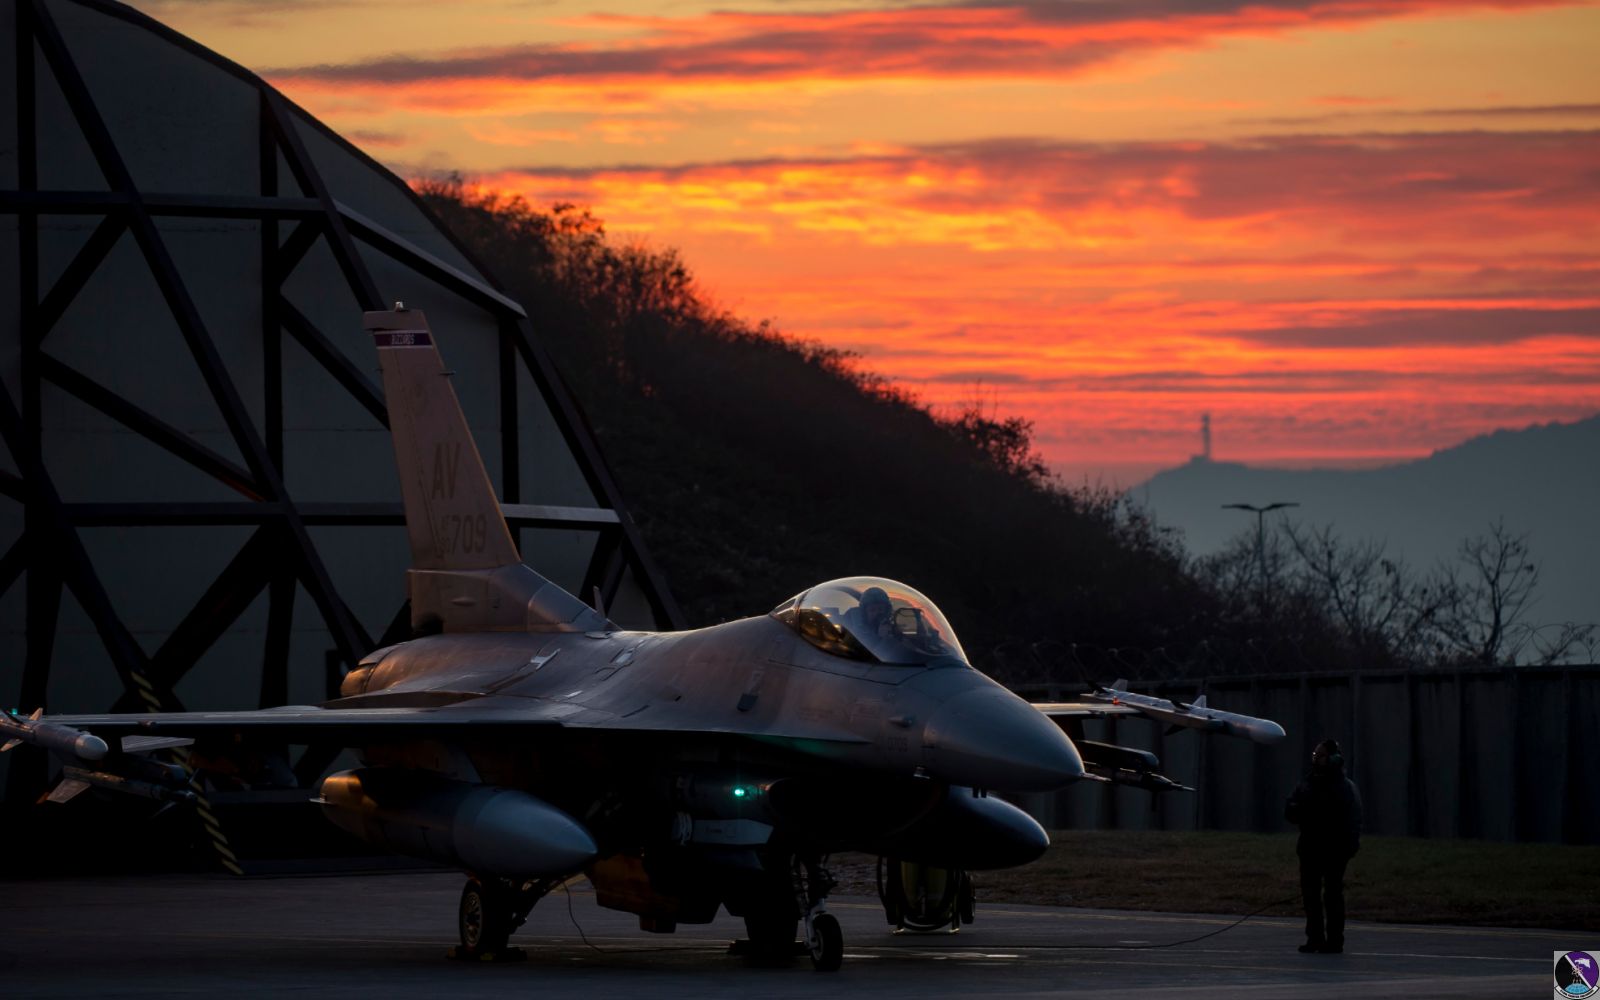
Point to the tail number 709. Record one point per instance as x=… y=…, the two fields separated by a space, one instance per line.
x=462 y=533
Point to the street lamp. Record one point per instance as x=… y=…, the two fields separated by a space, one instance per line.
x=1261 y=536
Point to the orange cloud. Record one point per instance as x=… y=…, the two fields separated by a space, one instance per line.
x=651 y=60
x=1363 y=295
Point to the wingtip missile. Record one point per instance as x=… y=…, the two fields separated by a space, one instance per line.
x=1193 y=715
x=52 y=736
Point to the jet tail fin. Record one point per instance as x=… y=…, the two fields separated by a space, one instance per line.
x=466 y=573
x=452 y=516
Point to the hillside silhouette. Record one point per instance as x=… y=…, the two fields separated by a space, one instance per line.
x=756 y=464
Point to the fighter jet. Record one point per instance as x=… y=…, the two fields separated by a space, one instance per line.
x=525 y=738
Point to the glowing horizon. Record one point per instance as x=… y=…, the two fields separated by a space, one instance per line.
x=1352 y=231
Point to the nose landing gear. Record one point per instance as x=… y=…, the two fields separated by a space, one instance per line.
x=824 y=938
x=490 y=912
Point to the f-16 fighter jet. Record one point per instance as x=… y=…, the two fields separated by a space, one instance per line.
x=525 y=738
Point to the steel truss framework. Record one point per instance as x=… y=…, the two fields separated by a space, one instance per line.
x=293 y=213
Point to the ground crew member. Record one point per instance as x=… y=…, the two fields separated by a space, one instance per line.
x=1327 y=807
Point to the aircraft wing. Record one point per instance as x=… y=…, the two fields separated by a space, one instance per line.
x=89 y=736
x=303 y=723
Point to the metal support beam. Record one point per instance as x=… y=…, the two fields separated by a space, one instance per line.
x=181 y=206
x=305 y=174
x=155 y=431
x=272 y=274
x=346 y=632
x=275 y=657
x=13 y=563
x=300 y=241
x=72 y=279
x=334 y=361
x=234 y=589
x=58 y=547
x=576 y=432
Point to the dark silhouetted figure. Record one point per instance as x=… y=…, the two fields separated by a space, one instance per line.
x=1327 y=808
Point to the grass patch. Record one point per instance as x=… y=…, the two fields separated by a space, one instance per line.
x=1399 y=879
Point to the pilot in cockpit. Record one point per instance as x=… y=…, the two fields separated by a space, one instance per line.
x=876 y=613
x=866 y=618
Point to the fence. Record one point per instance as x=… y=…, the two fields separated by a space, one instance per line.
x=1498 y=754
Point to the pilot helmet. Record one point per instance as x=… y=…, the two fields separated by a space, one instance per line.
x=875 y=604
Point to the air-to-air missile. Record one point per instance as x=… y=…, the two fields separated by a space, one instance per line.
x=1190 y=715
x=18 y=729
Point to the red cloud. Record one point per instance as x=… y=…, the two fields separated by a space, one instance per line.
x=1446 y=280
x=1287 y=194
x=1027 y=40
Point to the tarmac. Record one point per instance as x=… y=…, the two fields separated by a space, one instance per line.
x=387 y=936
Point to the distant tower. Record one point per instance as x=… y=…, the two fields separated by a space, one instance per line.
x=1205 y=437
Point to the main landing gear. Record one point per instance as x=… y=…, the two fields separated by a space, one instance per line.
x=925 y=898
x=491 y=910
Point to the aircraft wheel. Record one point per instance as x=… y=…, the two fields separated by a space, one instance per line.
x=826 y=942
x=967 y=900
x=484 y=918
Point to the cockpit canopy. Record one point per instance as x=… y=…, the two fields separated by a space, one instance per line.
x=868 y=618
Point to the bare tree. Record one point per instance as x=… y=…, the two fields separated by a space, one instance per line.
x=1383 y=609
x=1490 y=593
x=1561 y=642
x=1245 y=576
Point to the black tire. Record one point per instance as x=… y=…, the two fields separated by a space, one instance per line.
x=484 y=918
x=967 y=901
x=827 y=943
x=891 y=893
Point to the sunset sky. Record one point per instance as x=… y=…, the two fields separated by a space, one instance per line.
x=1351 y=231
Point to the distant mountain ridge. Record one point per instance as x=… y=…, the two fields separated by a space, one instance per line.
x=1544 y=480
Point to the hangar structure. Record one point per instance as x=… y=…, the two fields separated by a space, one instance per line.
x=198 y=499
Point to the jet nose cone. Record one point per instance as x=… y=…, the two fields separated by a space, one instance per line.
x=990 y=738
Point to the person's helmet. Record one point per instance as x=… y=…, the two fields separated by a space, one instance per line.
x=875 y=604
x=1328 y=752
